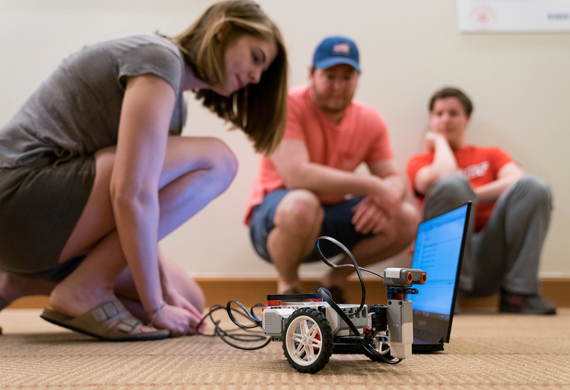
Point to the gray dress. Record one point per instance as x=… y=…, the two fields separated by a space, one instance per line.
x=47 y=166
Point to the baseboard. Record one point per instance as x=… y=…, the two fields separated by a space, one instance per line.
x=253 y=290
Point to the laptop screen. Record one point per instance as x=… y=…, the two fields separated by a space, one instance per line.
x=438 y=252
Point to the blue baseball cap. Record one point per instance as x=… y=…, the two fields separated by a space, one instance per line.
x=336 y=50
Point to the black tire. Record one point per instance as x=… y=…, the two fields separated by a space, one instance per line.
x=375 y=358
x=301 y=323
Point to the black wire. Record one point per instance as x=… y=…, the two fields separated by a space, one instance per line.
x=346 y=251
x=354 y=265
x=227 y=335
x=327 y=297
x=245 y=313
x=252 y=336
x=374 y=352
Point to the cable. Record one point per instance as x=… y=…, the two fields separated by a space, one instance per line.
x=227 y=335
x=252 y=336
x=327 y=297
x=354 y=265
x=345 y=249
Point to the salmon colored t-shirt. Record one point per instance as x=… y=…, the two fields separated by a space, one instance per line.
x=361 y=136
x=479 y=165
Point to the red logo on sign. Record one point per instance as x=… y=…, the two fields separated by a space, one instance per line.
x=482 y=18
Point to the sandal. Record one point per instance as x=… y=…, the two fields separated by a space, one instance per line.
x=109 y=321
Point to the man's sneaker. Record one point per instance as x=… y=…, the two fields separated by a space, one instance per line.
x=337 y=294
x=525 y=304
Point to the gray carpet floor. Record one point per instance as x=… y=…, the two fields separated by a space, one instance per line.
x=487 y=350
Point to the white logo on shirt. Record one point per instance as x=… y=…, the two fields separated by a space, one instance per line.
x=474 y=171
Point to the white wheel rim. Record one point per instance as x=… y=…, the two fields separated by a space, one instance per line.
x=377 y=344
x=302 y=343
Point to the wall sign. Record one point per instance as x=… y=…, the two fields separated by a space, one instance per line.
x=513 y=15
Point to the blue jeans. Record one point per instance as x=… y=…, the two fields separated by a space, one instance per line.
x=337 y=224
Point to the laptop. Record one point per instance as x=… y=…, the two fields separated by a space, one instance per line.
x=438 y=251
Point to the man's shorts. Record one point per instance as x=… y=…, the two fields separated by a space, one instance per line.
x=337 y=224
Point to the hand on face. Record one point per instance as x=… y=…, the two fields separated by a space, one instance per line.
x=432 y=138
x=246 y=58
x=448 y=119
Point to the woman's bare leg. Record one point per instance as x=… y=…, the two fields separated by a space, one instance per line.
x=196 y=170
x=126 y=291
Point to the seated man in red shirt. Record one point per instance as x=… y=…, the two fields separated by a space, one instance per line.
x=301 y=191
x=512 y=210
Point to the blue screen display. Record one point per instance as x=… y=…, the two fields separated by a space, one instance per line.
x=437 y=251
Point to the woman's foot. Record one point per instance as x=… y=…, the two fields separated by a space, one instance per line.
x=73 y=297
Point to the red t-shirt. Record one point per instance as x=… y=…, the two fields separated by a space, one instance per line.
x=361 y=136
x=479 y=165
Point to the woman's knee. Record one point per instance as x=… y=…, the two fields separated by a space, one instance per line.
x=223 y=160
x=214 y=158
x=190 y=154
x=299 y=211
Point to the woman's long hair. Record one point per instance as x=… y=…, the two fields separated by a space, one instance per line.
x=260 y=110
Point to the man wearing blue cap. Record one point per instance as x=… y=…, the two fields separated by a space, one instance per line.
x=308 y=187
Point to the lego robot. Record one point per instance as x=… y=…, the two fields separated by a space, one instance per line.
x=312 y=326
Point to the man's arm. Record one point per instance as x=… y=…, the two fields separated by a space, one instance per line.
x=291 y=159
x=443 y=164
x=386 y=170
x=367 y=216
x=509 y=174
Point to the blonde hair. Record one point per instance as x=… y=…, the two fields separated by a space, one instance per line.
x=260 y=110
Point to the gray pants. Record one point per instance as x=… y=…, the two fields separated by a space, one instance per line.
x=505 y=254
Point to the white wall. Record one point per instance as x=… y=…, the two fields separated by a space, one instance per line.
x=520 y=84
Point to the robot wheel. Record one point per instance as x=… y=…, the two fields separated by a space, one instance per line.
x=307 y=340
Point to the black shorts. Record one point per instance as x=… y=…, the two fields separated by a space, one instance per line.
x=40 y=205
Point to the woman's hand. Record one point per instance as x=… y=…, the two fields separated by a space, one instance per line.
x=174 y=298
x=179 y=321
